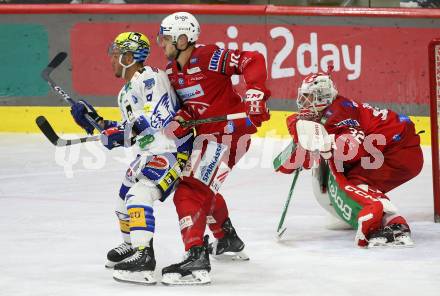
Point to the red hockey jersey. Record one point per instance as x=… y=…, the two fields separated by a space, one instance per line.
x=360 y=120
x=205 y=88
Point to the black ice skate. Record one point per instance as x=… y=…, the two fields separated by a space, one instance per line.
x=138 y=269
x=193 y=270
x=228 y=247
x=118 y=254
x=395 y=235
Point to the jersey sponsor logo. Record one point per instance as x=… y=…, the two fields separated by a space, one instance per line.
x=215 y=59
x=197 y=77
x=337 y=200
x=359 y=192
x=397 y=137
x=348 y=104
x=348 y=122
x=158 y=162
x=404 y=118
x=185 y=222
x=190 y=92
x=149 y=83
x=193 y=70
x=328 y=113
x=208 y=170
x=162 y=113
x=156 y=168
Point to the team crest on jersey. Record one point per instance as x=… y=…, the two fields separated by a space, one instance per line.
x=149 y=83
x=135 y=100
x=215 y=59
x=162 y=113
x=194 y=61
x=181 y=81
x=191 y=92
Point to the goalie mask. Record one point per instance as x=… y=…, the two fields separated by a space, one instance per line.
x=317 y=91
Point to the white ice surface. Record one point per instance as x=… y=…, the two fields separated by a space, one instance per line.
x=57 y=225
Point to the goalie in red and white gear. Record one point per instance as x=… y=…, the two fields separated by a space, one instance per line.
x=370 y=151
x=201 y=76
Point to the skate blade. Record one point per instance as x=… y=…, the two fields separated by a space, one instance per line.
x=110 y=264
x=198 y=277
x=377 y=243
x=234 y=256
x=391 y=245
x=135 y=277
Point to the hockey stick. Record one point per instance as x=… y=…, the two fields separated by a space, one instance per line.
x=45 y=74
x=281 y=229
x=226 y=117
x=48 y=131
x=281 y=158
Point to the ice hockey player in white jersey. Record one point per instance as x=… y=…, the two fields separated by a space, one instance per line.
x=147 y=103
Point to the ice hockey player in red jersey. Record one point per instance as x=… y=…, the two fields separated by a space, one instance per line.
x=201 y=76
x=374 y=150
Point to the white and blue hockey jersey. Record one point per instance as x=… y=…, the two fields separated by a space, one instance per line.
x=147 y=104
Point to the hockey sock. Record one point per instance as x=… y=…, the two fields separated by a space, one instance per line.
x=192 y=200
x=219 y=214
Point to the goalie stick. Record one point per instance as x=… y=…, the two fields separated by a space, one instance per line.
x=277 y=163
x=48 y=131
x=281 y=228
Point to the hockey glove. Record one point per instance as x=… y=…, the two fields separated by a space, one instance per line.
x=291 y=126
x=255 y=101
x=112 y=137
x=78 y=111
x=174 y=129
x=299 y=158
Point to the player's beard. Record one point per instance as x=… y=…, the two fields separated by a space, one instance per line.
x=172 y=54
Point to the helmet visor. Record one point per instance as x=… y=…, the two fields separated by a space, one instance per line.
x=114 y=49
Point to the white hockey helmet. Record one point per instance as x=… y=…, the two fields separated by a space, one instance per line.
x=180 y=23
x=317 y=91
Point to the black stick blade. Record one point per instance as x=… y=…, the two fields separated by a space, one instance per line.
x=47 y=130
x=57 y=60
